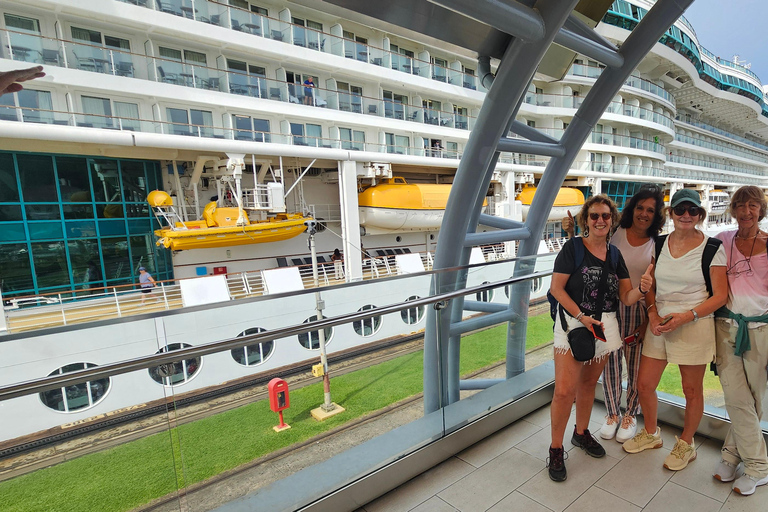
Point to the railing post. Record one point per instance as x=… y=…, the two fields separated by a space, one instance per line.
x=112 y=61
x=165 y=296
x=63 y=315
x=117 y=303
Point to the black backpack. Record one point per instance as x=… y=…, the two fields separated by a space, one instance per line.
x=578 y=257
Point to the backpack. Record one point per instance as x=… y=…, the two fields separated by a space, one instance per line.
x=713 y=244
x=578 y=258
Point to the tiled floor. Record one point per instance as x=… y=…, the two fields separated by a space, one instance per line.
x=506 y=473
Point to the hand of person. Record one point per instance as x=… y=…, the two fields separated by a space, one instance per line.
x=646 y=280
x=677 y=320
x=9 y=80
x=569 y=224
x=655 y=321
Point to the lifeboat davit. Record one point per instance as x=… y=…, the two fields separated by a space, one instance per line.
x=568 y=200
x=396 y=205
x=219 y=227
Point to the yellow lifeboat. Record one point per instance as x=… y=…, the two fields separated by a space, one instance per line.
x=219 y=227
x=568 y=200
x=396 y=205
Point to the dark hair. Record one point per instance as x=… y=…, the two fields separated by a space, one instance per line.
x=336 y=252
x=646 y=192
x=598 y=199
x=749 y=193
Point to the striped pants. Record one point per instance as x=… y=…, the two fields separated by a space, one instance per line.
x=630 y=318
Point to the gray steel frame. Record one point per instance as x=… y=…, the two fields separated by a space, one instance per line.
x=496 y=119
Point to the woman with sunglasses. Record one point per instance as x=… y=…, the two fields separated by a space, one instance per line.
x=575 y=286
x=742 y=344
x=681 y=326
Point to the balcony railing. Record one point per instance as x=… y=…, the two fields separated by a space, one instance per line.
x=723 y=148
x=632 y=81
x=241 y=20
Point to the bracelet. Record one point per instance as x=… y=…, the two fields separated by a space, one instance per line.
x=578 y=317
x=695 y=315
x=641 y=290
x=651 y=306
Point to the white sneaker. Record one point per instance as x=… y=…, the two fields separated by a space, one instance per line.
x=608 y=430
x=627 y=430
x=746 y=484
x=727 y=472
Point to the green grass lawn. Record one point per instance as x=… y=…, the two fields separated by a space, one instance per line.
x=137 y=472
x=670 y=383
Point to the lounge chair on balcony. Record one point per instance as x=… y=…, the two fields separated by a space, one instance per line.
x=373 y=109
x=85 y=63
x=171 y=78
x=124 y=68
x=274 y=94
x=52 y=57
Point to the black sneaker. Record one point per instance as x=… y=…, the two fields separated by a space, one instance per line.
x=588 y=443
x=556 y=464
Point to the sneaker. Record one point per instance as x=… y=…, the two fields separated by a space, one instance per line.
x=627 y=430
x=556 y=464
x=746 y=484
x=643 y=441
x=681 y=455
x=608 y=430
x=727 y=472
x=588 y=443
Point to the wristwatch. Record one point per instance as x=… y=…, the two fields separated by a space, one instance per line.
x=695 y=315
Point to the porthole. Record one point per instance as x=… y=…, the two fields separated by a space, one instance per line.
x=536 y=285
x=413 y=315
x=431 y=237
x=77 y=396
x=398 y=239
x=485 y=296
x=252 y=355
x=368 y=326
x=311 y=340
x=177 y=372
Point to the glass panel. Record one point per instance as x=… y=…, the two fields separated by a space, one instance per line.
x=12 y=232
x=45 y=230
x=134 y=181
x=81 y=228
x=202 y=121
x=42 y=211
x=117 y=263
x=25 y=41
x=142 y=252
x=50 y=260
x=38 y=182
x=16 y=271
x=106 y=181
x=128 y=114
x=101 y=109
x=39 y=101
x=86 y=264
x=74 y=185
x=177 y=115
x=9 y=190
x=9 y=212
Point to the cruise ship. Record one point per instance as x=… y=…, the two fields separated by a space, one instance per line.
x=274 y=111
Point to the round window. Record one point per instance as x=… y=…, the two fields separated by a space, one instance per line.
x=252 y=355
x=177 y=372
x=412 y=315
x=77 y=396
x=368 y=326
x=311 y=339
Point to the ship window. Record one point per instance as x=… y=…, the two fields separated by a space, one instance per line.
x=485 y=296
x=76 y=396
x=21 y=23
x=398 y=144
x=367 y=326
x=350 y=97
x=311 y=340
x=33 y=106
x=98 y=112
x=412 y=315
x=24 y=38
x=176 y=372
x=253 y=355
x=239 y=3
x=251 y=129
x=258 y=10
x=352 y=139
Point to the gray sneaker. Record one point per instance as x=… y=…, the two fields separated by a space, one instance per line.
x=643 y=441
x=746 y=484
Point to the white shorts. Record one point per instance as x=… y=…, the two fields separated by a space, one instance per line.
x=602 y=348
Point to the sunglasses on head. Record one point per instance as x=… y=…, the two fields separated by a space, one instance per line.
x=693 y=211
x=595 y=216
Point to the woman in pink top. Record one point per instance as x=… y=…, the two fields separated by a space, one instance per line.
x=742 y=344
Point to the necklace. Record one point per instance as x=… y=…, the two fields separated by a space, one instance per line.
x=748 y=237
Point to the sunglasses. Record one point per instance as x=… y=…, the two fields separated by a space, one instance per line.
x=693 y=211
x=595 y=216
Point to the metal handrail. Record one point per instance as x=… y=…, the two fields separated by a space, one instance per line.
x=144 y=362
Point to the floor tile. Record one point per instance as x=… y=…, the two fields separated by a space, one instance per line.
x=583 y=472
x=649 y=464
x=434 y=504
x=540 y=417
x=598 y=499
x=757 y=502
x=496 y=444
x=422 y=487
x=490 y=483
x=676 y=497
x=698 y=475
x=517 y=502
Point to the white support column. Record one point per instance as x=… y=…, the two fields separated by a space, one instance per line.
x=350 y=220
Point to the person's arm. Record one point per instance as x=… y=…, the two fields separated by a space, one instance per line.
x=630 y=295
x=151 y=279
x=557 y=288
